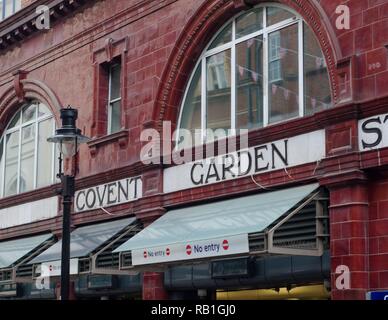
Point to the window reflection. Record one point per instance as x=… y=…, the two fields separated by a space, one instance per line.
x=252 y=74
x=249 y=111
x=218 y=90
x=26 y=158
x=9 y=7
x=316 y=78
x=283 y=74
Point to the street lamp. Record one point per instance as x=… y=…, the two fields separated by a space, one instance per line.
x=68 y=138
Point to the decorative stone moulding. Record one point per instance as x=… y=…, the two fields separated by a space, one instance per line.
x=121 y=137
x=23 y=90
x=23 y=23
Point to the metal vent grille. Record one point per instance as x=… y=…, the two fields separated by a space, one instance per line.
x=84 y=265
x=25 y=271
x=107 y=258
x=126 y=260
x=257 y=242
x=5 y=275
x=299 y=231
x=304 y=230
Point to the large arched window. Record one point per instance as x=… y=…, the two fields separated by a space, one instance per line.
x=264 y=66
x=26 y=158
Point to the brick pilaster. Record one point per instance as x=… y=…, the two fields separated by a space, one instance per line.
x=349 y=208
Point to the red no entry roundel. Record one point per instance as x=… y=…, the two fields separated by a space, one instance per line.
x=188 y=249
x=145 y=254
x=225 y=244
x=168 y=251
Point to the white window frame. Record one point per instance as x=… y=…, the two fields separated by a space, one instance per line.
x=110 y=100
x=16 y=5
x=19 y=128
x=265 y=31
x=274 y=57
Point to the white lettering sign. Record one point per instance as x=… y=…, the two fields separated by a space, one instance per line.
x=53 y=268
x=305 y=148
x=109 y=194
x=373 y=132
x=192 y=250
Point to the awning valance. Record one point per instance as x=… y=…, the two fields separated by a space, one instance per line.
x=85 y=240
x=214 y=229
x=14 y=250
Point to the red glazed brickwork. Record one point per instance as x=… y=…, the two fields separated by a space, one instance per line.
x=349 y=238
x=26 y=2
x=153 y=286
x=378 y=234
x=159 y=43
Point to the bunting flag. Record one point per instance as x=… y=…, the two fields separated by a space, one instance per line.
x=313 y=102
x=250 y=42
x=241 y=71
x=255 y=76
x=282 y=52
x=286 y=93
x=274 y=89
x=319 y=62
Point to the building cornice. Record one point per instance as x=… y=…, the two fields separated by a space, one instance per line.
x=22 y=24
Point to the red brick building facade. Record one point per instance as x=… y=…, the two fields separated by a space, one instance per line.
x=158 y=44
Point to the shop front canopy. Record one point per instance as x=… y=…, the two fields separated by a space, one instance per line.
x=232 y=227
x=13 y=251
x=90 y=249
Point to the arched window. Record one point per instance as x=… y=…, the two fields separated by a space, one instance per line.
x=264 y=66
x=26 y=158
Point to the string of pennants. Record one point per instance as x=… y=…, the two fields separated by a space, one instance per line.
x=319 y=61
x=287 y=93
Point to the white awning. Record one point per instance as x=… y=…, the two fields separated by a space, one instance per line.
x=14 y=250
x=85 y=240
x=219 y=228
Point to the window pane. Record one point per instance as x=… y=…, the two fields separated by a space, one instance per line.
x=15 y=121
x=45 y=155
x=249 y=76
x=283 y=74
x=27 y=158
x=191 y=114
x=249 y=22
x=276 y=15
x=43 y=111
x=8 y=8
x=1 y=166
x=225 y=36
x=1 y=9
x=18 y=5
x=316 y=79
x=29 y=113
x=11 y=163
x=115 y=117
x=115 y=72
x=218 y=90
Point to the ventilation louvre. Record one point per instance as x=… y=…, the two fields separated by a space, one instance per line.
x=299 y=231
x=5 y=275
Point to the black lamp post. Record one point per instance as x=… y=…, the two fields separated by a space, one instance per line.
x=68 y=139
